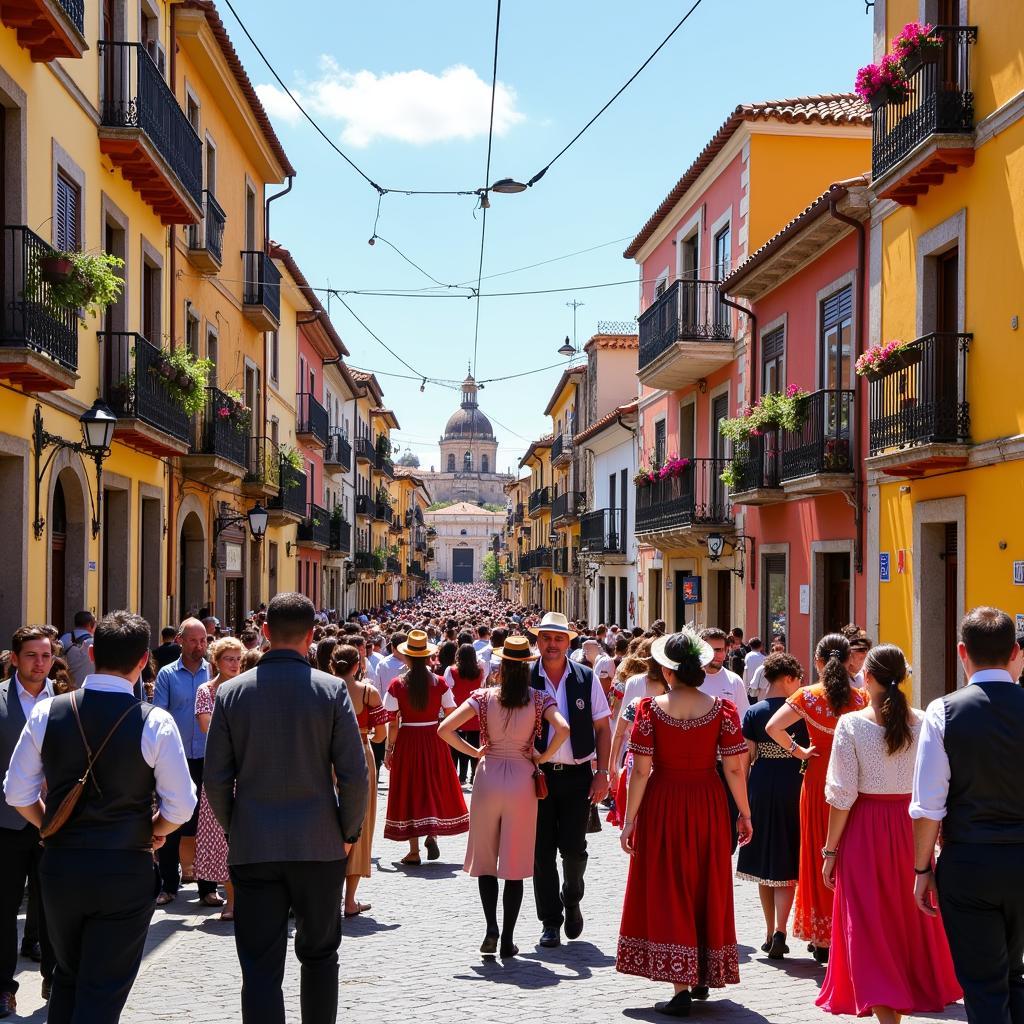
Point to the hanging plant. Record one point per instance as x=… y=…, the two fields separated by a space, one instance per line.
x=916 y=45
x=185 y=377
x=734 y=473
x=292 y=456
x=773 y=411
x=76 y=280
x=644 y=477
x=384 y=446
x=674 y=467
x=882 y=83
x=883 y=358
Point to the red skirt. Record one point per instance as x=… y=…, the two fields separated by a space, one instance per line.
x=424 y=795
x=812 y=911
x=677 y=918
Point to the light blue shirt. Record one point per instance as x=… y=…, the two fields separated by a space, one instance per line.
x=176 y=690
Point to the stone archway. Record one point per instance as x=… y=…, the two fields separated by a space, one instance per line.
x=192 y=564
x=68 y=519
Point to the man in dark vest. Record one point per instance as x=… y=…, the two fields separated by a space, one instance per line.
x=96 y=873
x=32 y=658
x=577 y=777
x=967 y=778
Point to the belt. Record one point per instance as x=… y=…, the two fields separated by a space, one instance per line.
x=559 y=766
x=418 y=725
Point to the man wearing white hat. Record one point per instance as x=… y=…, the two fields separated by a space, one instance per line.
x=577 y=776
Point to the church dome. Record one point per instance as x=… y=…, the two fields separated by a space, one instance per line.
x=468 y=422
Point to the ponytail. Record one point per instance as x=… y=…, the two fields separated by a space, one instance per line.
x=834 y=651
x=888 y=667
x=418 y=681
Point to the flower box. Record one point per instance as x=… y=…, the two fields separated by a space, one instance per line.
x=877 y=363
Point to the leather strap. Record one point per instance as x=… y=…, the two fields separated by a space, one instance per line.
x=91 y=757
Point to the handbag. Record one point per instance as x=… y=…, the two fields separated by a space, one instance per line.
x=70 y=801
x=594 y=821
x=540 y=783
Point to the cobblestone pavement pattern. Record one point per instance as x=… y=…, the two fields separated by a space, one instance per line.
x=415 y=959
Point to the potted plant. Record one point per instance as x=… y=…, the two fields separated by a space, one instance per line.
x=642 y=477
x=916 y=45
x=734 y=474
x=78 y=281
x=674 y=467
x=55 y=267
x=883 y=358
x=383 y=446
x=882 y=83
x=185 y=377
x=237 y=411
x=290 y=455
x=837 y=454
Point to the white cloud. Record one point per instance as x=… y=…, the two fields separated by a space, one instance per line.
x=408 y=106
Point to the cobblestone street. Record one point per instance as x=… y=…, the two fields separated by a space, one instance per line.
x=414 y=958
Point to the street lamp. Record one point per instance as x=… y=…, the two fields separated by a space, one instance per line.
x=97 y=424
x=257 y=517
x=508 y=186
x=716 y=546
x=567 y=348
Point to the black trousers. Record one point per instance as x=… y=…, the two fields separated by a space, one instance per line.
x=378 y=754
x=730 y=803
x=98 y=906
x=981 y=896
x=561 y=829
x=168 y=856
x=463 y=762
x=20 y=854
x=264 y=893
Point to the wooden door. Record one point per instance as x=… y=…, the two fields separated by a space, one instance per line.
x=950 y=561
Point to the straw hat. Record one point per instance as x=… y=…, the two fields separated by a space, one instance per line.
x=695 y=645
x=417 y=646
x=554 y=622
x=516 y=648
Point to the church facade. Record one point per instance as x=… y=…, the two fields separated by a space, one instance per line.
x=464 y=534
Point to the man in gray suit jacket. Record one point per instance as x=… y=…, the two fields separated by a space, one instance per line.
x=277 y=733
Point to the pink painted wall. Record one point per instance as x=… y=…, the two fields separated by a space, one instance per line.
x=311 y=454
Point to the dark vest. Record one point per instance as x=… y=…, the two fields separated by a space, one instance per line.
x=578 y=686
x=115 y=810
x=12 y=721
x=984 y=740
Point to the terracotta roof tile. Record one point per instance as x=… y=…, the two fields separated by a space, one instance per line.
x=597 y=426
x=572 y=371
x=830 y=108
x=541 y=442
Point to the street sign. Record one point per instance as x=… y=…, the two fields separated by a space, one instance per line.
x=883 y=567
x=1018 y=573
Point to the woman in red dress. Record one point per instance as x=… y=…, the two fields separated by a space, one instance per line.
x=424 y=795
x=677 y=919
x=464 y=676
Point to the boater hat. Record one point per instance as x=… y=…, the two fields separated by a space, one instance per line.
x=516 y=648
x=417 y=646
x=554 y=622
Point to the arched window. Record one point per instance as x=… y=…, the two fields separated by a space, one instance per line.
x=451 y=463
x=467 y=463
x=484 y=464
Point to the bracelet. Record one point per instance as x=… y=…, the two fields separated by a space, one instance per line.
x=923 y=871
x=627 y=822
x=792 y=744
x=601 y=771
x=826 y=853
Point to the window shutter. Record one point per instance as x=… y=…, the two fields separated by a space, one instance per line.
x=772 y=344
x=67 y=202
x=837 y=308
x=774 y=564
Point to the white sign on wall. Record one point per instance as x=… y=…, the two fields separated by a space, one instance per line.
x=233 y=557
x=805 y=599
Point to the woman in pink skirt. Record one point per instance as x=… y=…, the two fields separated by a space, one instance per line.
x=887 y=959
x=503 y=818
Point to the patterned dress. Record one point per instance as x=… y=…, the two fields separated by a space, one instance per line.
x=812 y=917
x=359 y=858
x=211 y=863
x=677 y=918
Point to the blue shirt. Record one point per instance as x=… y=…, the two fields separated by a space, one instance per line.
x=176 y=690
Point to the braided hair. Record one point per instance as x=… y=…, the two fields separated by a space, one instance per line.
x=888 y=667
x=834 y=650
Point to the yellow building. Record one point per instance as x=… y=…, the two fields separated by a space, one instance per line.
x=945 y=438
x=540 y=588
x=411 y=499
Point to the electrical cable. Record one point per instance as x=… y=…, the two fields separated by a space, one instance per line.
x=416 y=266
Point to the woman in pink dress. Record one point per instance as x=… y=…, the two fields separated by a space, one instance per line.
x=211 y=863
x=887 y=958
x=503 y=818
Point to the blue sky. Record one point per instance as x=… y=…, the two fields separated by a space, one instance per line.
x=376 y=77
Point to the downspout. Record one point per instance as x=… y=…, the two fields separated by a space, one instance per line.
x=858 y=478
x=171 y=540
x=266 y=209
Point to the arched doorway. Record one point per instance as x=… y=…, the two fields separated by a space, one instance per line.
x=67 y=523
x=191 y=548
x=58 y=552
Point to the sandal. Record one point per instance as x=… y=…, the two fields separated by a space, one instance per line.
x=361 y=908
x=409 y=862
x=227 y=915
x=211 y=899
x=164 y=898
x=433 y=851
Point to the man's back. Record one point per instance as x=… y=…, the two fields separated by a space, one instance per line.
x=277 y=731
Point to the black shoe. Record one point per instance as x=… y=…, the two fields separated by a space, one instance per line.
x=821 y=954
x=509 y=950
x=778 y=948
x=32 y=951
x=550 y=938
x=700 y=992
x=432 y=849
x=490 y=945
x=766 y=945
x=677 y=1006
x=47 y=987
x=573 y=921
x=810 y=947
x=8 y=1004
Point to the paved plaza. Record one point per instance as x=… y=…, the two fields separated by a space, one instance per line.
x=414 y=959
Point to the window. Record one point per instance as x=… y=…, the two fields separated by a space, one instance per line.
x=451 y=463
x=192 y=331
x=467 y=462
x=659 y=443
x=66 y=215
x=151 y=292
x=212 y=353
x=723 y=264
x=773 y=595
x=836 y=339
x=250 y=218
x=275 y=356
x=192 y=112
x=484 y=464
x=773 y=366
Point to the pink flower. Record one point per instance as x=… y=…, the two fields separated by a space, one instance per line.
x=223 y=412
x=913 y=37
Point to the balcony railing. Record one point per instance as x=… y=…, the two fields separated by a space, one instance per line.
x=756 y=461
x=823 y=444
x=538 y=558
x=367 y=561
x=338 y=452
x=311 y=418
x=365 y=505
x=207 y=237
x=561 y=448
x=603 y=532
x=939 y=102
x=30 y=318
x=415 y=569
x=386 y=466
x=540 y=499
x=393 y=566
x=686 y=311
x=135 y=96
x=133 y=389
x=315 y=528
x=385 y=512
x=697 y=497
x=560 y=561
x=518 y=518
x=365 y=452
x=341 y=535
x=924 y=399
x=264 y=466
x=261 y=288
x=567 y=506
x=292 y=494
x=218 y=435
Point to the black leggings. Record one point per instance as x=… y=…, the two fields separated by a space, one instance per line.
x=464 y=761
x=511 y=902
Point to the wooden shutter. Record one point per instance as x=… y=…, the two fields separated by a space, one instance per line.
x=837 y=308
x=67 y=203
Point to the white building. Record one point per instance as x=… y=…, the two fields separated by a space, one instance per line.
x=465 y=534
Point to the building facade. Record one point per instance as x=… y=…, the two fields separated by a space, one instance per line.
x=464 y=536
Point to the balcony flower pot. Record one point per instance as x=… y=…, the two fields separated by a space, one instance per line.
x=882 y=83
x=185 y=378
x=916 y=45
x=55 y=269
x=77 y=281
x=881 y=360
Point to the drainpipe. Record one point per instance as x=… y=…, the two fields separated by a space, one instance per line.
x=171 y=540
x=266 y=209
x=858 y=479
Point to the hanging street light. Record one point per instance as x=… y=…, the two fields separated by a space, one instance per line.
x=508 y=186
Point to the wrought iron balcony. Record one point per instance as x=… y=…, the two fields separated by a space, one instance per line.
x=367 y=561
x=365 y=505
x=695 y=498
x=341 y=535
x=918 y=414
x=561 y=449
x=48 y=29
x=261 y=290
x=823 y=443
x=561 y=562
x=566 y=506
x=338 y=453
x=755 y=463
x=148 y=417
x=385 y=512
x=263 y=472
x=291 y=496
x=311 y=419
x=393 y=566
x=385 y=466
x=220 y=447
x=365 y=452
x=939 y=105
x=39 y=340
x=540 y=500
x=206 y=239
x=685 y=335
x=415 y=569
x=315 y=529
x=603 y=532
x=518 y=518
x=147 y=135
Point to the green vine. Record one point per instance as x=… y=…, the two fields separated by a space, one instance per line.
x=89 y=288
x=186 y=378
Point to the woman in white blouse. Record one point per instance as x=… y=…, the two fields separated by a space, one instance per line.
x=887 y=957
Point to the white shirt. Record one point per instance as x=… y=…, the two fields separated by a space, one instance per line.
x=729 y=685
x=577 y=655
x=604 y=666
x=388 y=670
x=161 y=750
x=479 y=645
x=931 y=769
x=754 y=660
x=759 y=686
x=598 y=710
x=27 y=701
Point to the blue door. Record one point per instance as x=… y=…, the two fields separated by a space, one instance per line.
x=462 y=565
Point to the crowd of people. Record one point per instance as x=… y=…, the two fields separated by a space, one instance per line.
x=252 y=764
